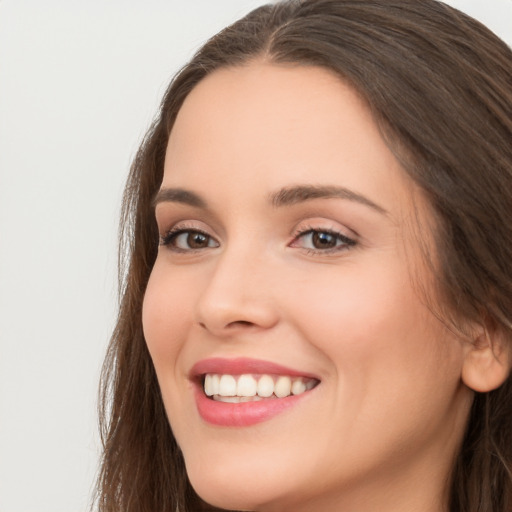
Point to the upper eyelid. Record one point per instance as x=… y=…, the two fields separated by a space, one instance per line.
x=169 y=220
x=168 y=214
x=346 y=239
x=302 y=227
x=323 y=224
x=331 y=231
x=165 y=226
x=166 y=239
x=177 y=228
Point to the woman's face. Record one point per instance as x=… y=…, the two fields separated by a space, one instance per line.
x=290 y=256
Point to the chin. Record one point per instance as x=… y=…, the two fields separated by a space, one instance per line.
x=226 y=495
x=236 y=490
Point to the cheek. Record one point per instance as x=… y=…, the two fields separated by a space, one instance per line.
x=166 y=314
x=377 y=332
x=356 y=309
x=390 y=358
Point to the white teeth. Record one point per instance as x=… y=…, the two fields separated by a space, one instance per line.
x=283 y=387
x=227 y=385
x=208 y=385
x=244 y=388
x=310 y=384
x=215 y=384
x=211 y=384
x=298 y=387
x=237 y=399
x=265 y=386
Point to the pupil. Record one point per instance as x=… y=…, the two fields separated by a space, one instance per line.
x=323 y=240
x=197 y=240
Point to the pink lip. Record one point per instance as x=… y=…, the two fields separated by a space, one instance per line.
x=247 y=413
x=243 y=365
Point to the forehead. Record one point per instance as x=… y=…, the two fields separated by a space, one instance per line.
x=265 y=126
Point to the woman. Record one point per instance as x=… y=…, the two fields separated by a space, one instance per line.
x=317 y=307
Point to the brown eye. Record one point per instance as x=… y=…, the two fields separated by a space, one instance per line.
x=316 y=240
x=323 y=240
x=197 y=240
x=188 y=240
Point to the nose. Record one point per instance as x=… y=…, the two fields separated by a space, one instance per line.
x=238 y=296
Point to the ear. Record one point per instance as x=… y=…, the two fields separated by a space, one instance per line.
x=487 y=360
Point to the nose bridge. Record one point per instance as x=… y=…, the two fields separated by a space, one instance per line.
x=237 y=294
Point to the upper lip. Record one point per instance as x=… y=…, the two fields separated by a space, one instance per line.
x=243 y=365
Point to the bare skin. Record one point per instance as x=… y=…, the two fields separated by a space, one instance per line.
x=320 y=284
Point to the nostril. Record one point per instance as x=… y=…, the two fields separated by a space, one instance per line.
x=240 y=323
x=231 y=325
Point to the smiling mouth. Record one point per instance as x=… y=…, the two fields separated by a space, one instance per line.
x=254 y=387
x=242 y=392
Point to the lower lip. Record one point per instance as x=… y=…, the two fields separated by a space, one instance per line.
x=243 y=414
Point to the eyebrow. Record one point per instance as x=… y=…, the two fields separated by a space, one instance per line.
x=284 y=197
x=179 y=195
x=301 y=193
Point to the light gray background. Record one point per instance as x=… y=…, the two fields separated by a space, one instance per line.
x=79 y=84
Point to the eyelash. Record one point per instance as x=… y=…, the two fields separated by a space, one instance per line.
x=343 y=242
x=172 y=235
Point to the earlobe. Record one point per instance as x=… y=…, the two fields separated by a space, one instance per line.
x=487 y=361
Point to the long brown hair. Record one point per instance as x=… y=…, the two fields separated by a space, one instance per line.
x=439 y=85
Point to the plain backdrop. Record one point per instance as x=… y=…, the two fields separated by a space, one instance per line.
x=80 y=82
